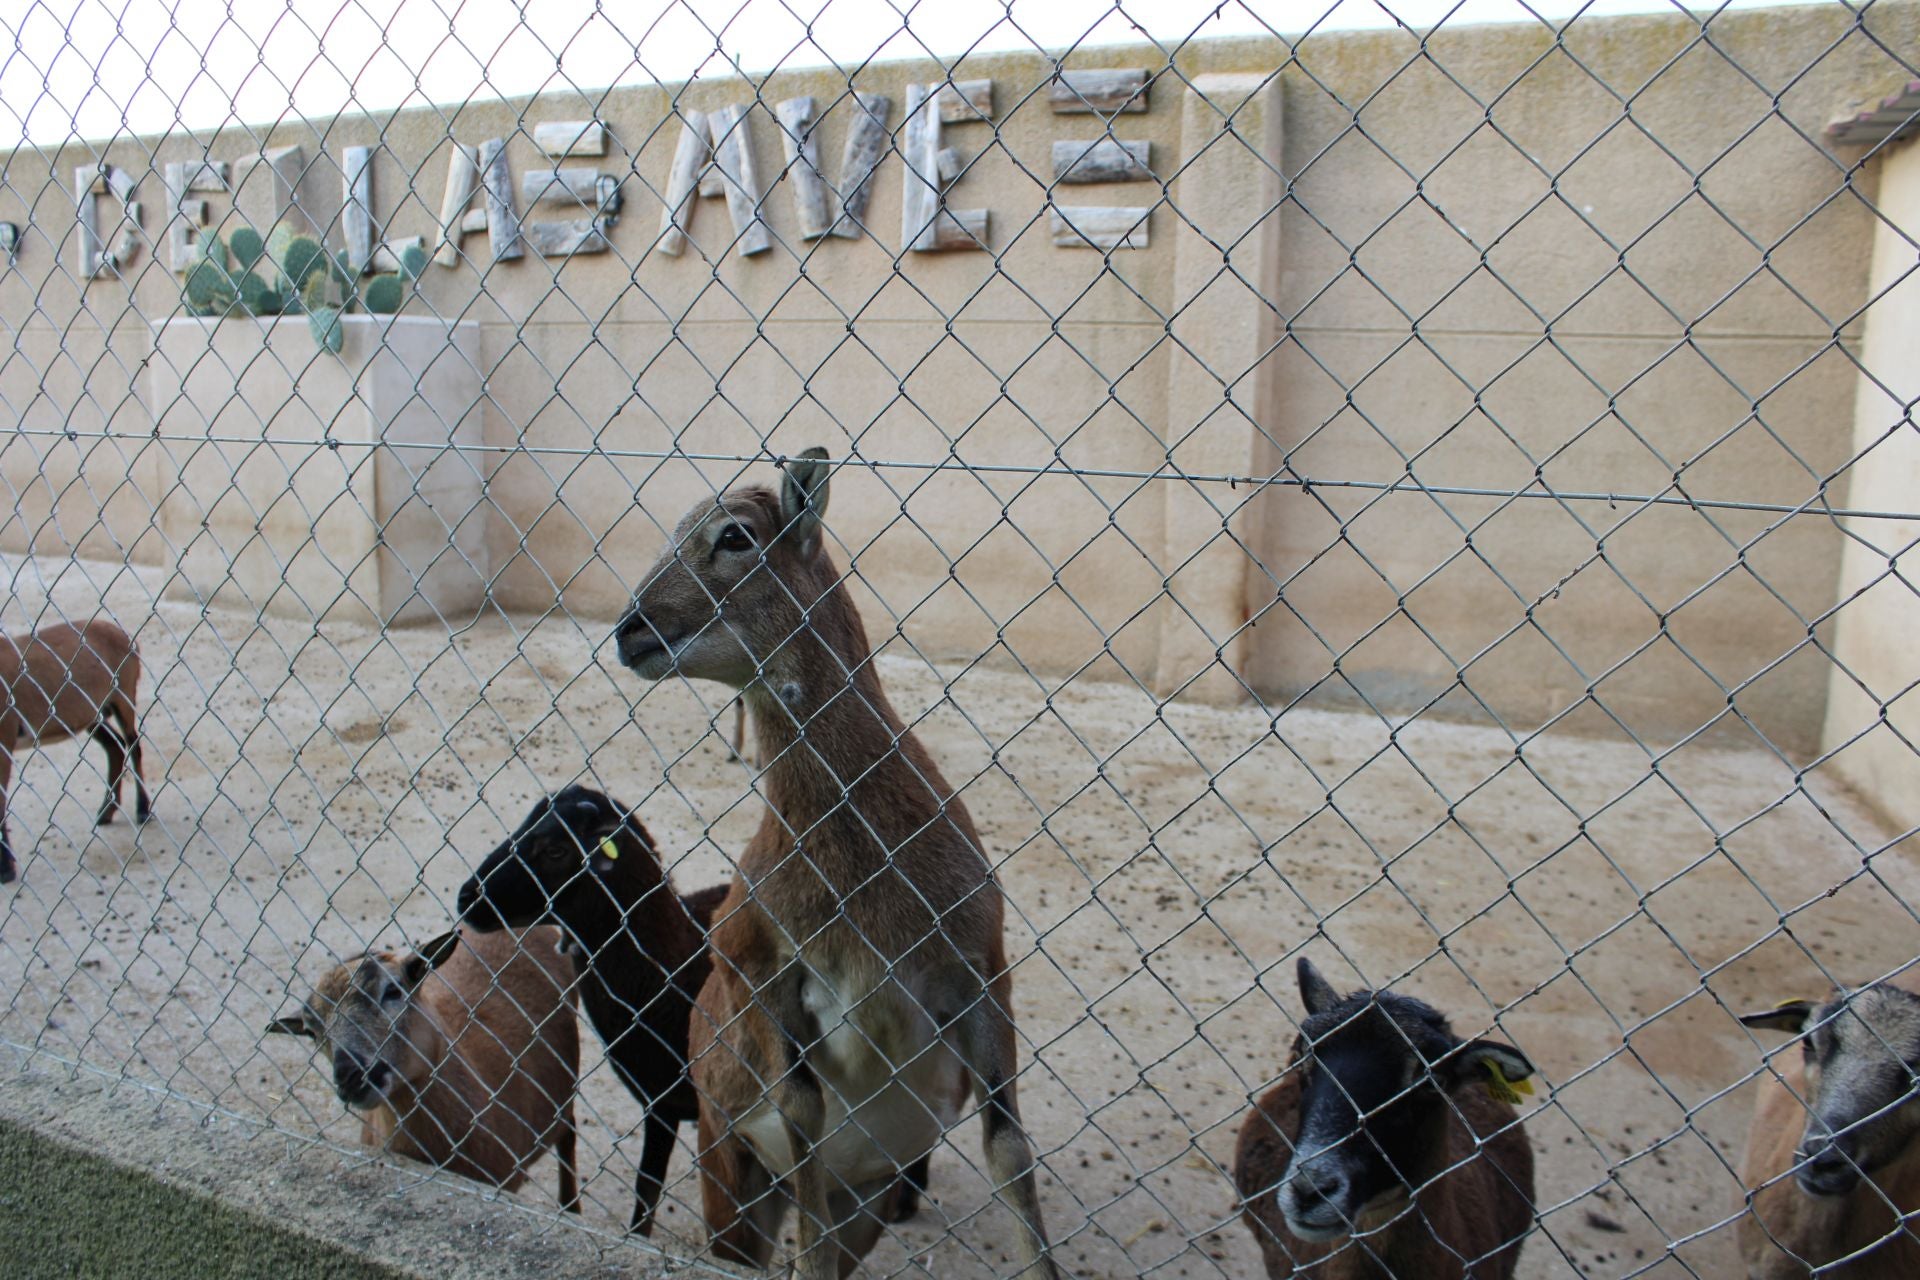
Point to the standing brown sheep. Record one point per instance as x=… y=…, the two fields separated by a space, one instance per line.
x=860 y=981
x=65 y=680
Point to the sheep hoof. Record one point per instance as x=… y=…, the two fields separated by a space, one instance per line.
x=906 y=1204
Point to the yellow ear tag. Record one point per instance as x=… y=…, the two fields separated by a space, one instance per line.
x=1788 y=1004
x=1501 y=1089
x=610 y=849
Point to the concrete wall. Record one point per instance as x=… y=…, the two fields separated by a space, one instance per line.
x=1873 y=710
x=1358 y=271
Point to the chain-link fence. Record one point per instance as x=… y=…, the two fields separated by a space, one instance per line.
x=1435 y=502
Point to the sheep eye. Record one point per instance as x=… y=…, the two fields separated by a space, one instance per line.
x=391 y=994
x=734 y=538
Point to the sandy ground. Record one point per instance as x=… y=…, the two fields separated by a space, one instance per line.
x=321 y=791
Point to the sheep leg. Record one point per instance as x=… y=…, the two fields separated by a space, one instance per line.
x=565 y=1151
x=911 y=1187
x=800 y=1097
x=986 y=1044
x=651 y=1180
x=737 y=1197
x=859 y=1216
x=8 y=868
x=738 y=751
x=908 y=1190
x=130 y=742
x=116 y=765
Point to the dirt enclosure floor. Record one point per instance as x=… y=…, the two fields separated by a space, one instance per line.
x=321 y=790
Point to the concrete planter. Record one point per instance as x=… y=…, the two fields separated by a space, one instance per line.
x=380 y=523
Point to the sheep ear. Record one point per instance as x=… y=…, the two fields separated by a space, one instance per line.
x=1315 y=991
x=431 y=956
x=291 y=1025
x=1501 y=1068
x=1791 y=1016
x=803 y=495
x=605 y=852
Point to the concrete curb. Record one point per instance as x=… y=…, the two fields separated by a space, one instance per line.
x=105 y=1181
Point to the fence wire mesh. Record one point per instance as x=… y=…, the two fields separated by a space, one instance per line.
x=1437 y=502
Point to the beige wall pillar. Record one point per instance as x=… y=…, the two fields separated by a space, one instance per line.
x=386 y=527
x=1873 y=709
x=1226 y=222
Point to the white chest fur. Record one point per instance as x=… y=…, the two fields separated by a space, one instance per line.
x=891 y=1085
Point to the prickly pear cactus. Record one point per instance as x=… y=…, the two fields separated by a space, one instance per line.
x=320 y=290
x=284 y=272
x=304 y=258
x=328 y=333
x=384 y=295
x=413 y=262
x=247 y=247
x=259 y=297
x=210 y=290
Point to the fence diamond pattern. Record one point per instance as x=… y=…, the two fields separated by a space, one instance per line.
x=1426 y=501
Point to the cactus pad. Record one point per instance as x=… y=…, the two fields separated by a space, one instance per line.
x=329 y=334
x=247 y=247
x=209 y=289
x=304 y=257
x=384 y=294
x=259 y=297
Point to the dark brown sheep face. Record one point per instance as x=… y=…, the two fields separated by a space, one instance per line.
x=558 y=852
x=1863 y=1083
x=734 y=584
x=363 y=1019
x=1373 y=1101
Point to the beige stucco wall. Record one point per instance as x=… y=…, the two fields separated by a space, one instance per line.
x=1310 y=281
x=1478 y=297
x=1873 y=709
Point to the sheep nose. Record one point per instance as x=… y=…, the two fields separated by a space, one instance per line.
x=1828 y=1161
x=635 y=638
x=1827 y=1170
x=349 y=1073
x=1314 y=1186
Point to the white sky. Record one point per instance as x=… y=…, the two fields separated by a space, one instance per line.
x=94 y=69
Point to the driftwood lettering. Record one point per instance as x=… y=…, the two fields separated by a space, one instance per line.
x=733 y=157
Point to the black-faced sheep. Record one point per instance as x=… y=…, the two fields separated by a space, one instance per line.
x=587 y=864
x=1383 y=1152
